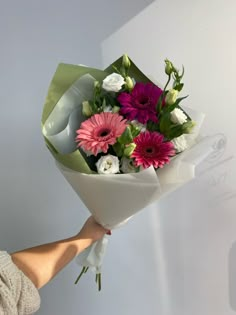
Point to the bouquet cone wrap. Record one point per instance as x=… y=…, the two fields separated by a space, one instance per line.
x=112 y=199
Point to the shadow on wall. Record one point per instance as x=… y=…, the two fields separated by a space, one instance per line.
x=232 y=276
x=115 y=14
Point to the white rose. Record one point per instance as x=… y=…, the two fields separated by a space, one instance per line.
x=113 y=82
x=127 y=165
x=180 y=143
x=178 y=116
x=108 y=164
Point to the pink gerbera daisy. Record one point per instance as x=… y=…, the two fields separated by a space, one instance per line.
x=141 y=103
x=151 y=150
x=99 y=131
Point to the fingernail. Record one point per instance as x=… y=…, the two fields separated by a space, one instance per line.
x=109 y=232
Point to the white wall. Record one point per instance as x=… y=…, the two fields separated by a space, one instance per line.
x=169 y=260
x=37 y=204
x=196 y=257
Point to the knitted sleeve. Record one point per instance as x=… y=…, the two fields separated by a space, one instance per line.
x=18 y=295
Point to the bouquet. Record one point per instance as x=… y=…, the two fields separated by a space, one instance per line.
x=121 y=141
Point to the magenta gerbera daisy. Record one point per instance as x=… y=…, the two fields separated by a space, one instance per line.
x=141 y=103
x=99 y=131
x=151 y=150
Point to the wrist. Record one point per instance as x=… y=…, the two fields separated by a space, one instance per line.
x=81 y=243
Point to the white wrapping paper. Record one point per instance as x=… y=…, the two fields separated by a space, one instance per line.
x=113 y=199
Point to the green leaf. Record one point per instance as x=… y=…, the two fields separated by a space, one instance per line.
x=176 y=104
x=118 y=148
x=110 y=99
x=123 y=71
x=188 y=126
x=175 y=131
x=134 y=130
x=104 y=103
x=126 y=136
x=165 y=123
x=93 y=106
x=151 y=126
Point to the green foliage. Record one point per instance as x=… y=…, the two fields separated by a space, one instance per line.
x=170 y=108
x=178 y=86
x=126 y=136
x=118 y=149
x=135 y=130
x=165 y=124
x=152 y=126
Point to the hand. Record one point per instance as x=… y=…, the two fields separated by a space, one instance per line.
x=92 y=230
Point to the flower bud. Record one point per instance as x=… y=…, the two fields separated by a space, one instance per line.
x=171 y=96
x=169 y=67
x=188 y=126
x=129 y=83
x=97 y=86
x=115 y=109
x=125 y=61
x=86 y=109
x=129 y=149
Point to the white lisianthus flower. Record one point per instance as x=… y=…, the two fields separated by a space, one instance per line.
x=108 y=164
x=180 y=143
x=177 y=116
x=127 y=166
x=113 y=82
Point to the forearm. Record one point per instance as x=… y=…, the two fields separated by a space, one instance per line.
x=43 y=262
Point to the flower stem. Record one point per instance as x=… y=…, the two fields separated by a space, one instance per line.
x=84 y=270
x=99 y=281
x=168 y=81
x=160 y=101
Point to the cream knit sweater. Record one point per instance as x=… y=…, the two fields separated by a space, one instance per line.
x=18 y=295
